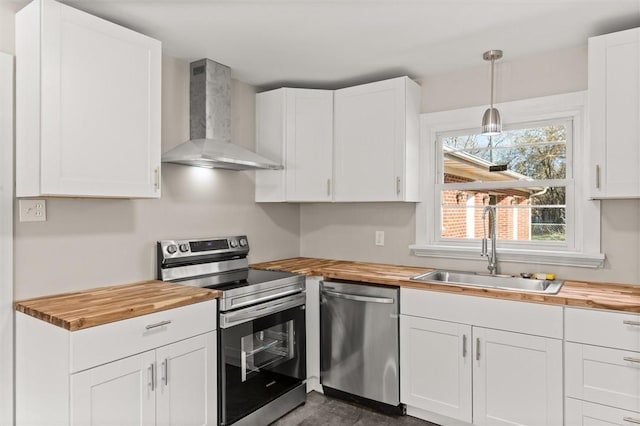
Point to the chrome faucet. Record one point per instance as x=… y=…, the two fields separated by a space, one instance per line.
x=493 y=257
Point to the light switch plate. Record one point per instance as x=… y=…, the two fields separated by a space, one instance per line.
x=33 y=210
x=379 y=238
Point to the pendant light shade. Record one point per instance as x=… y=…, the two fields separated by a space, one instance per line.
x=491 y=122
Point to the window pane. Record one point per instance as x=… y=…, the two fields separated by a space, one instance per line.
x=523 y=154
x=523 y=214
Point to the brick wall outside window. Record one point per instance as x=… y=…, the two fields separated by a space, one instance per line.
x=454 y=220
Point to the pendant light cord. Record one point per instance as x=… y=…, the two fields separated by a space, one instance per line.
x=492 y=62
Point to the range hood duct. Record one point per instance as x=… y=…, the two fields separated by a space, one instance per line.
x=210 y=124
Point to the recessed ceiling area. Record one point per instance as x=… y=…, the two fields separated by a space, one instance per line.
x=334 y=43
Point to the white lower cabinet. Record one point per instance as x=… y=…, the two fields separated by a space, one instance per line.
x=582 y=413
x=173 y=385
x=124 y=384
x=187 y=382
x=517 y=379
x=167 y=375
x=435 y=366
x=602 y=367
x=313 y=333
x=459 y=369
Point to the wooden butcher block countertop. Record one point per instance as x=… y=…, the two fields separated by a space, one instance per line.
x=88 y=308
x=618 y=297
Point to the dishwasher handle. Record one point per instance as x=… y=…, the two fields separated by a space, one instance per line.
x=357 y=297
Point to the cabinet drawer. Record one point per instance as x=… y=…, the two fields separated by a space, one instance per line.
x=581 y=413
x=603 y=328
x=105 y=343
x=521 y=317
x=603 y=375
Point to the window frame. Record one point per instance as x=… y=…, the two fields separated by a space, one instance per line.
x=582 y=244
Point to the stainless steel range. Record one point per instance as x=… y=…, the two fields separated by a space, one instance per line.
x=261 y=342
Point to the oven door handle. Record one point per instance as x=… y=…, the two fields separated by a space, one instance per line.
x=230 y=319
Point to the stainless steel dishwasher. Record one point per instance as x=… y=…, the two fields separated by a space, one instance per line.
x=359 y=341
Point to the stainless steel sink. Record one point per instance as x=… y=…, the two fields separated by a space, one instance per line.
x=490 y=281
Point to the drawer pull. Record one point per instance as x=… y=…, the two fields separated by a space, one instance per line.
x=158 y=324
x=629 y=322
x=631 y=359
x=631 y=420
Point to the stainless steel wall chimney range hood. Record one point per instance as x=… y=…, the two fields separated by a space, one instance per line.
x=210 y=124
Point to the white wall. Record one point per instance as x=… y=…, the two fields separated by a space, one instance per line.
x=87 y=243
x=346 y=231
x=6 y=239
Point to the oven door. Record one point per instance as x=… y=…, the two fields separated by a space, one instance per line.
x=262 y=355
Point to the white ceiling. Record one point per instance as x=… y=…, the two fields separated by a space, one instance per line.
x=333 y=43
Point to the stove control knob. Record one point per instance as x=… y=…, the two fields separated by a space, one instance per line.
x=172 y=248
x=233 y=243
x=184 y=248
x=243 y=242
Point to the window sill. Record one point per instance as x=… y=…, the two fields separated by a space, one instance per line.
x=546 y=257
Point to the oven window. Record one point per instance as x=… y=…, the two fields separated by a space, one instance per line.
x=267 y=348
x=261 y=360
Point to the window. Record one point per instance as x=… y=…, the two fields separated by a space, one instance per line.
x=531 y=174
x=521 y=172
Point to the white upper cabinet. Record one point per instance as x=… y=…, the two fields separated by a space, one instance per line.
x=614 y=105
x=353 y=144
x=88 y=106
x=295 y=127
x=376 y=141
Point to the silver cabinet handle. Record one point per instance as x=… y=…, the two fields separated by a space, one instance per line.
x=464 y=346
x=152 y=372
x=631 y=359
x=597 y=176
x=478 y=349
x=328 y=186
x=629 y=322
x=158 y=324
x=165 y=371
x=156 y=184
x=357 y=297
x=631 y=420
x=397 y=185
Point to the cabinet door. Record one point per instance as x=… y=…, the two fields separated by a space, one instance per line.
x=98 y=106
x=580 y=413
x=369 y=141
x=295 y=127
x=309 y=136
x=604 y=375
x=436 y=366
x=119 y=393
x=517 y=379
x=187 y=382
x=614 y=110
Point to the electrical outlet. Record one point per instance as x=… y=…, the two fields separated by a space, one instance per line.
x=33 y=210
x=379 y=238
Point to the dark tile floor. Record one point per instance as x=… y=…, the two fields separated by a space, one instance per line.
x=320 y=410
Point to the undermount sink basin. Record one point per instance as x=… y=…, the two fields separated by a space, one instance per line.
x=490 y=281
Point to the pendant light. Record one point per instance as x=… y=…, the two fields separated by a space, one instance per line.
x=491 y=122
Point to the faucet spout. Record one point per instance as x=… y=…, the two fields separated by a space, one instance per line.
x=492 y=258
